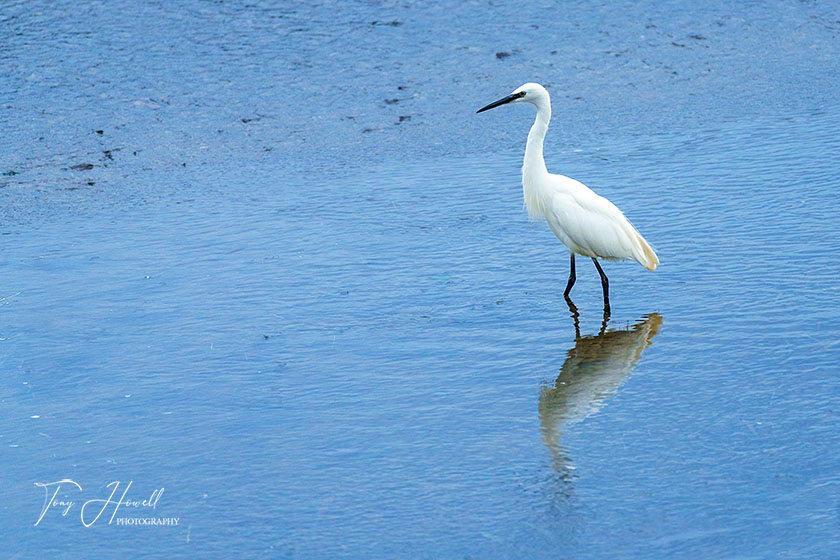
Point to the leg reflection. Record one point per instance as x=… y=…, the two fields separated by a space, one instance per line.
x=573 y=310
x=575 y=314
x=604 y=321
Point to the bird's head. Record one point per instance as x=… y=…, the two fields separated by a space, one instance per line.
x=526 y=93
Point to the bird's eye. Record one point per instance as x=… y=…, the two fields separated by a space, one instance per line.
x=522 y=94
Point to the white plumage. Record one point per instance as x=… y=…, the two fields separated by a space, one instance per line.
x=587 y=223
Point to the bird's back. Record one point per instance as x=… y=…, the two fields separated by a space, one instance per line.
x=590 y=225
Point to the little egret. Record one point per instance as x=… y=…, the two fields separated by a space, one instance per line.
x=587 y=223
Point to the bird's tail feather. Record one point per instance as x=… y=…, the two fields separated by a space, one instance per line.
x=646 y=256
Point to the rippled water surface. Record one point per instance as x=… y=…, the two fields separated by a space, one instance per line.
x=337 y=346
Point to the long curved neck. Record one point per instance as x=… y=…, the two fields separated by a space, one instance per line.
x=533 y=168
x=534 y=162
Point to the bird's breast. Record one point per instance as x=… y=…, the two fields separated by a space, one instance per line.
x=535 y=198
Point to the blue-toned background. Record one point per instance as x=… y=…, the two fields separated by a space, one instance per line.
x=265 y=256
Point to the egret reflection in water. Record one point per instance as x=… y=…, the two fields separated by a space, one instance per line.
x=594 y=369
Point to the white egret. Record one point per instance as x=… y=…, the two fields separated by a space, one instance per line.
x=587 y=223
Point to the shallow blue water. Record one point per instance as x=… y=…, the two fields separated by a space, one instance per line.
x=373 y=358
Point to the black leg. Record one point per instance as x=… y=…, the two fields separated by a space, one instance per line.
x=605 y=284
x=571 y=278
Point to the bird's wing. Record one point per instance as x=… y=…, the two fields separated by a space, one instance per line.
x=591 y=225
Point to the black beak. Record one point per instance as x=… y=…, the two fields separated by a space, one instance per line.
x=502 y=101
